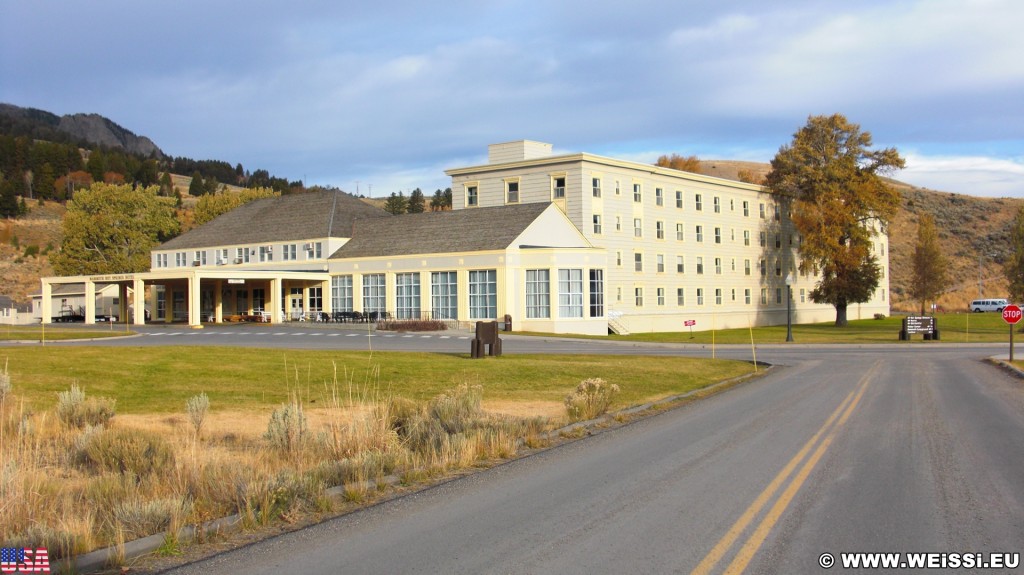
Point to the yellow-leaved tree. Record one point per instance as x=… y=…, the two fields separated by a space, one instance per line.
x=112 y=228
x=832 y=183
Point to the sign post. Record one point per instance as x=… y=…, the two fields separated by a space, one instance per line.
x=690 y=323
x=1011 y=315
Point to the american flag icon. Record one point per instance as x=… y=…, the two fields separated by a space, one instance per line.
x=23 y=560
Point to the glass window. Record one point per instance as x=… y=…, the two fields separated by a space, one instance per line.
x=661 y=296
x=746 y=267
x=679 y=232
x=596 y=293
x=570 y=293
x=680 y=266
x=746 y=237
x=241 y=255
x=680 y=296
x=746 y=296
x=596 y=185
x=700 y=296
x=660 y=230
x=558 y=187
x=637 y=193
x=718 y=205
x=618 y=223
x=259 y=299
x=661 y=263
x=760 y=208
x=444 y=295
x=700 y=233
x=266 y=253
x=746 y=211
x=638 y=228
x=659 y=196
x=374 y=293
x=407 y=296
x=512 y=192
x=472 y=197
x=483 y=294
x=698 y=204
x=538 y=294
x=618 y=258
x=718 y=266
x=288 y=252
x=638 y=262
x=700 y=265
x=341 y=293
x=597 y=224
x=718 y=235
x=638 y=293
x=316 y=299
x=718 y=296
x=679 y=199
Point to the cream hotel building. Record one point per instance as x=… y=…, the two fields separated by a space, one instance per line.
x=682 y=247
x=560 y=243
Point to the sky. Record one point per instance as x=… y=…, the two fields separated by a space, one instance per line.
x=380 y=97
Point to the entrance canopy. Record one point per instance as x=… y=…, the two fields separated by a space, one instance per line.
x=191 y=283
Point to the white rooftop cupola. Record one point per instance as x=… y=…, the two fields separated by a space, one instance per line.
x=517 y=151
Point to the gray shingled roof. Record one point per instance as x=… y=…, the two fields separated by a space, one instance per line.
x=293 y=217
x=469 y=230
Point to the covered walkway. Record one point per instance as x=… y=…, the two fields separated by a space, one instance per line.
x=202 y=295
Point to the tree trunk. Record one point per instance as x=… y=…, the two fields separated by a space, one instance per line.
x=841 y=315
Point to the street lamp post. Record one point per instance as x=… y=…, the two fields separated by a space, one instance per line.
x=789 y=307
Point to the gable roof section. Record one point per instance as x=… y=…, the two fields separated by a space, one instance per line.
x=303 y=216
x=469 y=230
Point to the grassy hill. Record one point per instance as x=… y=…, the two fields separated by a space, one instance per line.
x=973 y=232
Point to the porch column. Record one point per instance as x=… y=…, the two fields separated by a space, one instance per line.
x=328 y=303
x=194 y=311
x=274 y=305
x=90 y=302
x=139 y=301
x=218 y=301
x=122 y=302
x=46 y=304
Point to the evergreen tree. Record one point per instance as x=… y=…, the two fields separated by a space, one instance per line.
x=8 y=200
x=437 y=201
x=417 y=203
x=396 y=203
x=196 y=188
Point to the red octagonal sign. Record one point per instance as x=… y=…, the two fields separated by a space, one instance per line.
x=1011 y=314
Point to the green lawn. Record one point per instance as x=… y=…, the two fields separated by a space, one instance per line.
x=953 y=328
x=160 y=380
x=38 y=333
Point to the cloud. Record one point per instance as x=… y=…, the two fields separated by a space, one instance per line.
x=973 y=175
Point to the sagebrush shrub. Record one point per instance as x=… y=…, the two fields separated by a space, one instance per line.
x=591 y=398
x=287 y=429
x=134 y=451
x=75 y=410
x=457 y=409
x=5 y=383
x=197 y=407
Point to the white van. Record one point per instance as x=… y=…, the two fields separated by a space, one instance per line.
x=980 y=305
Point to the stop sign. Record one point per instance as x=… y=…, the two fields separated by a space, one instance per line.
x=1011 y=314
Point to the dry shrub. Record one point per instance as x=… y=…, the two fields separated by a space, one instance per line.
x=412 y=325
x=75 y=410
x=591 y=398
x=457 y=409
x=134 y=451
x=287 y=430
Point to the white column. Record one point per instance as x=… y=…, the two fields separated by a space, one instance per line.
x=218 y=301
x=90 y=302
x=46 y=304
x=139 y=301
x=194 y=315
x=274 y=305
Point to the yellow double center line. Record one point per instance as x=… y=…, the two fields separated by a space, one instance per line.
x=754 y=541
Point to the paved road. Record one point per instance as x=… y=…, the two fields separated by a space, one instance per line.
x=901 y=449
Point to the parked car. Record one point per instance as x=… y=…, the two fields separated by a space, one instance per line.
x=980 y=305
